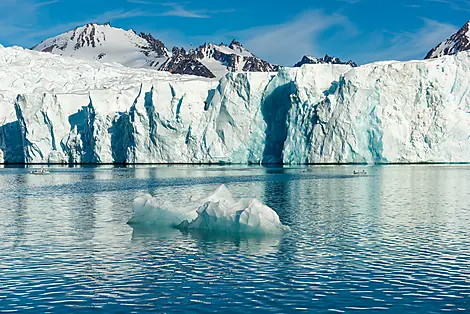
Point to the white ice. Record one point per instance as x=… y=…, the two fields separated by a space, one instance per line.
x=219 y=212
x=56 y=109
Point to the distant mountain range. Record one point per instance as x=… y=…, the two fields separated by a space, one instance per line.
x=105 y=43
x=325 y=60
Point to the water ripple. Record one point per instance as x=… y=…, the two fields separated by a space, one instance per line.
x=394 y=241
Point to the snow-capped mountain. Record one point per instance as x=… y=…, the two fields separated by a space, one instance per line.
x=458 y=42
x=233 y=58
x=210 y=60
x=109 y=44
x=325 y=60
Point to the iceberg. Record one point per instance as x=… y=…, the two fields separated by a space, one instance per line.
x=218 y=213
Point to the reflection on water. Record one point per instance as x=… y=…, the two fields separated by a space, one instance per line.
x=218 y=242
x=395 y=240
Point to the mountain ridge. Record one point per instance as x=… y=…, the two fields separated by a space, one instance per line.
x=105 y=43
x=458 y=42
x=324 y=60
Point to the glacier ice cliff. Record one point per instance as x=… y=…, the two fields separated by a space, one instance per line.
x=62 y=110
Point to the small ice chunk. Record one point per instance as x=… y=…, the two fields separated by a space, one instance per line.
x=219 y=212
x=149 y=210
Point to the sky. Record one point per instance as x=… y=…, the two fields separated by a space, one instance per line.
x=280 y=32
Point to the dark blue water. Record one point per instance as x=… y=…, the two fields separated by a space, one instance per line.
x=394 y=241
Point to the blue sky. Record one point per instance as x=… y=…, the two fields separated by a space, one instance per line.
x=278 y=31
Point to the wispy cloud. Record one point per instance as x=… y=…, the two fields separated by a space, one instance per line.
x=286 y=43
x=29 y=13
x=406 y=45
x=413 y=6
x=458 y=5
x=140 y=2
x=42 y=4
x=179 y=9
x=26 y=13
x=350 y=1
x=114 y=15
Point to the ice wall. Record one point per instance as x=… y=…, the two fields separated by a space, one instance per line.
x=62 y=110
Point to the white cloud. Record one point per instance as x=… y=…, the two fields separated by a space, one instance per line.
x=180 y=11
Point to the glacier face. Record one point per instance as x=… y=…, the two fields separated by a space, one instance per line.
x=61 y=110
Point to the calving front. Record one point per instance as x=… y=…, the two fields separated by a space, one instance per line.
x=62 y=110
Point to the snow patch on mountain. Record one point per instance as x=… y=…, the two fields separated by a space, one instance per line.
x=108 y=44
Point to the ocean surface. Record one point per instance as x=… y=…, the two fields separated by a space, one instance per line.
x=396 y=240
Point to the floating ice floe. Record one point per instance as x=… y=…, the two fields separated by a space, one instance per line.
x=219 y=212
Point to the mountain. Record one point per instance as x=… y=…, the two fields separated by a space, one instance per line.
x=64 y=110
x=233 y=58
x=458 y=42
x=325 y=60
x=181 y=62
x=108 y=44
x=105 y=43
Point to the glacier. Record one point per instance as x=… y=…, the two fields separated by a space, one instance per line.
x=67 y=111
x=219 y=212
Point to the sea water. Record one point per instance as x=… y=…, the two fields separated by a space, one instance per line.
x=395 y=240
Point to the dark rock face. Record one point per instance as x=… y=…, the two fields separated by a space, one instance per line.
x=154 y=45
x=325 y=60
x=182 y=63
x=234 y=57
x=458 y=42
x=235 y=44
x=254 y=64
x=86 y=38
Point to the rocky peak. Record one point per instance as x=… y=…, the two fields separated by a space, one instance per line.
x=458 y=42
x=154 y=44
x=325 y=60
x=178 y=51
x=236 y=45
x=182 y=63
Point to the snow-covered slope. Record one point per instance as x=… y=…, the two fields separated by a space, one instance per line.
x=325 y=60
x=220 y=59
x=108 y=44
x=458 y=42
x=56 y=109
